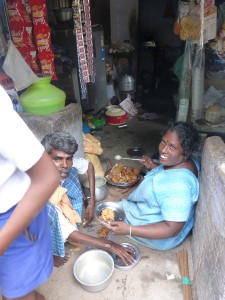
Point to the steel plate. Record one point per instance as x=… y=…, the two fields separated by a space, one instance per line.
x=119 y=263
x=122 y=184
x=118 y=211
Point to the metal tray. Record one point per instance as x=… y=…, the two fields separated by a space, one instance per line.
x=122 y=184
x=137 y=256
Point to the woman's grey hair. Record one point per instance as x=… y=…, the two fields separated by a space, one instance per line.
x=60 y=140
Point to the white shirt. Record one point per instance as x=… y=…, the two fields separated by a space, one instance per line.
x=81 y=165
x=19 y=151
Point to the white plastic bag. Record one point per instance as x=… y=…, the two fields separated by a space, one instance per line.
x=16 y=67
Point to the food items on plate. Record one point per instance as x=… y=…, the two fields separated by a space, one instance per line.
x=103 y=232
x=107 y=215
x=122 y=174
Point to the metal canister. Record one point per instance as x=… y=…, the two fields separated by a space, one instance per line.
x=127 y=83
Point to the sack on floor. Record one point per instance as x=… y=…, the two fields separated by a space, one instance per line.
x=93 y=158
x=91 y=144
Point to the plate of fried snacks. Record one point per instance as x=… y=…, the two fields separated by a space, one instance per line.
x=123 y=176
x=107 y=212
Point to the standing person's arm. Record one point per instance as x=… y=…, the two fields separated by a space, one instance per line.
x=89 y=211
x=44 y=180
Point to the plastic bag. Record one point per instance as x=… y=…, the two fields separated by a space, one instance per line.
x=16 y=67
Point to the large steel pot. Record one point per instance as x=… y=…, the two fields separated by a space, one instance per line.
x=93 y=270
x=127 y=83
x=101 y=189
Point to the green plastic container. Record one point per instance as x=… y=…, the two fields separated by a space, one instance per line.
x=42 y=98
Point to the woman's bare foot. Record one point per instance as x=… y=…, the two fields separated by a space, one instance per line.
x=60 y=261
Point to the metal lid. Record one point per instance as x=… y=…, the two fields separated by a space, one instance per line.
x=137 y=256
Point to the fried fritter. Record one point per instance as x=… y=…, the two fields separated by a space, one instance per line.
x=103 y=232
x=122 y=174
x=107 y=215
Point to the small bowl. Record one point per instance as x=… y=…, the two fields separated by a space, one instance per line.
x=136 y=255
x=118 y=211
x=93 y=270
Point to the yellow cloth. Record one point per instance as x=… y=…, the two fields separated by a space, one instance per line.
x=91 y=144
x=93 y=158
x=60 y=198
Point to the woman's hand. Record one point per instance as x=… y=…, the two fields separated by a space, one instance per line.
x=148 y=162
x=119 y=227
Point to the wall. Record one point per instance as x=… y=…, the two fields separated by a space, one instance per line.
x=121 y=12
x=154 y=20
x=208 y=240
x=68 y=119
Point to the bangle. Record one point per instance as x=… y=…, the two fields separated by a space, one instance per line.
x=130 y=231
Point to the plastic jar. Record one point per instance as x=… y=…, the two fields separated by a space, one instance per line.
x=213 y=114
x=42 y=98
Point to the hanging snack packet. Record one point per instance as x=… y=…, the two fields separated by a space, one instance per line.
x=43 y=38
x=22 y=32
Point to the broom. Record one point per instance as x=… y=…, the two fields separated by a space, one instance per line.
x=182 y=257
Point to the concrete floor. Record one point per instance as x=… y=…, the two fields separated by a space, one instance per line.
x=156 y=276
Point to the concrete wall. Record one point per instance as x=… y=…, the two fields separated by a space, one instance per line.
x=208 y=240
x=120 y=14
x=68 y=119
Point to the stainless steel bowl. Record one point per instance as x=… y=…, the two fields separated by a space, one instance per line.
x=118 y=211
x=119 y=264
x=93 y=270
x=101 y=189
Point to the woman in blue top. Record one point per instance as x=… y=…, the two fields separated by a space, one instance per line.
x=160 y=211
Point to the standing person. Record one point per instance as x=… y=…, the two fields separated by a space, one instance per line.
x=160 y=211
x=27 y=179
x=65 y=206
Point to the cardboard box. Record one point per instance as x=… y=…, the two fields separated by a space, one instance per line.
x=219 y=84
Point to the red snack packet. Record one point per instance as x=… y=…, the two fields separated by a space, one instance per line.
x=21 y=28
x=47 y=65
x=34 y=63
x=43 y=38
